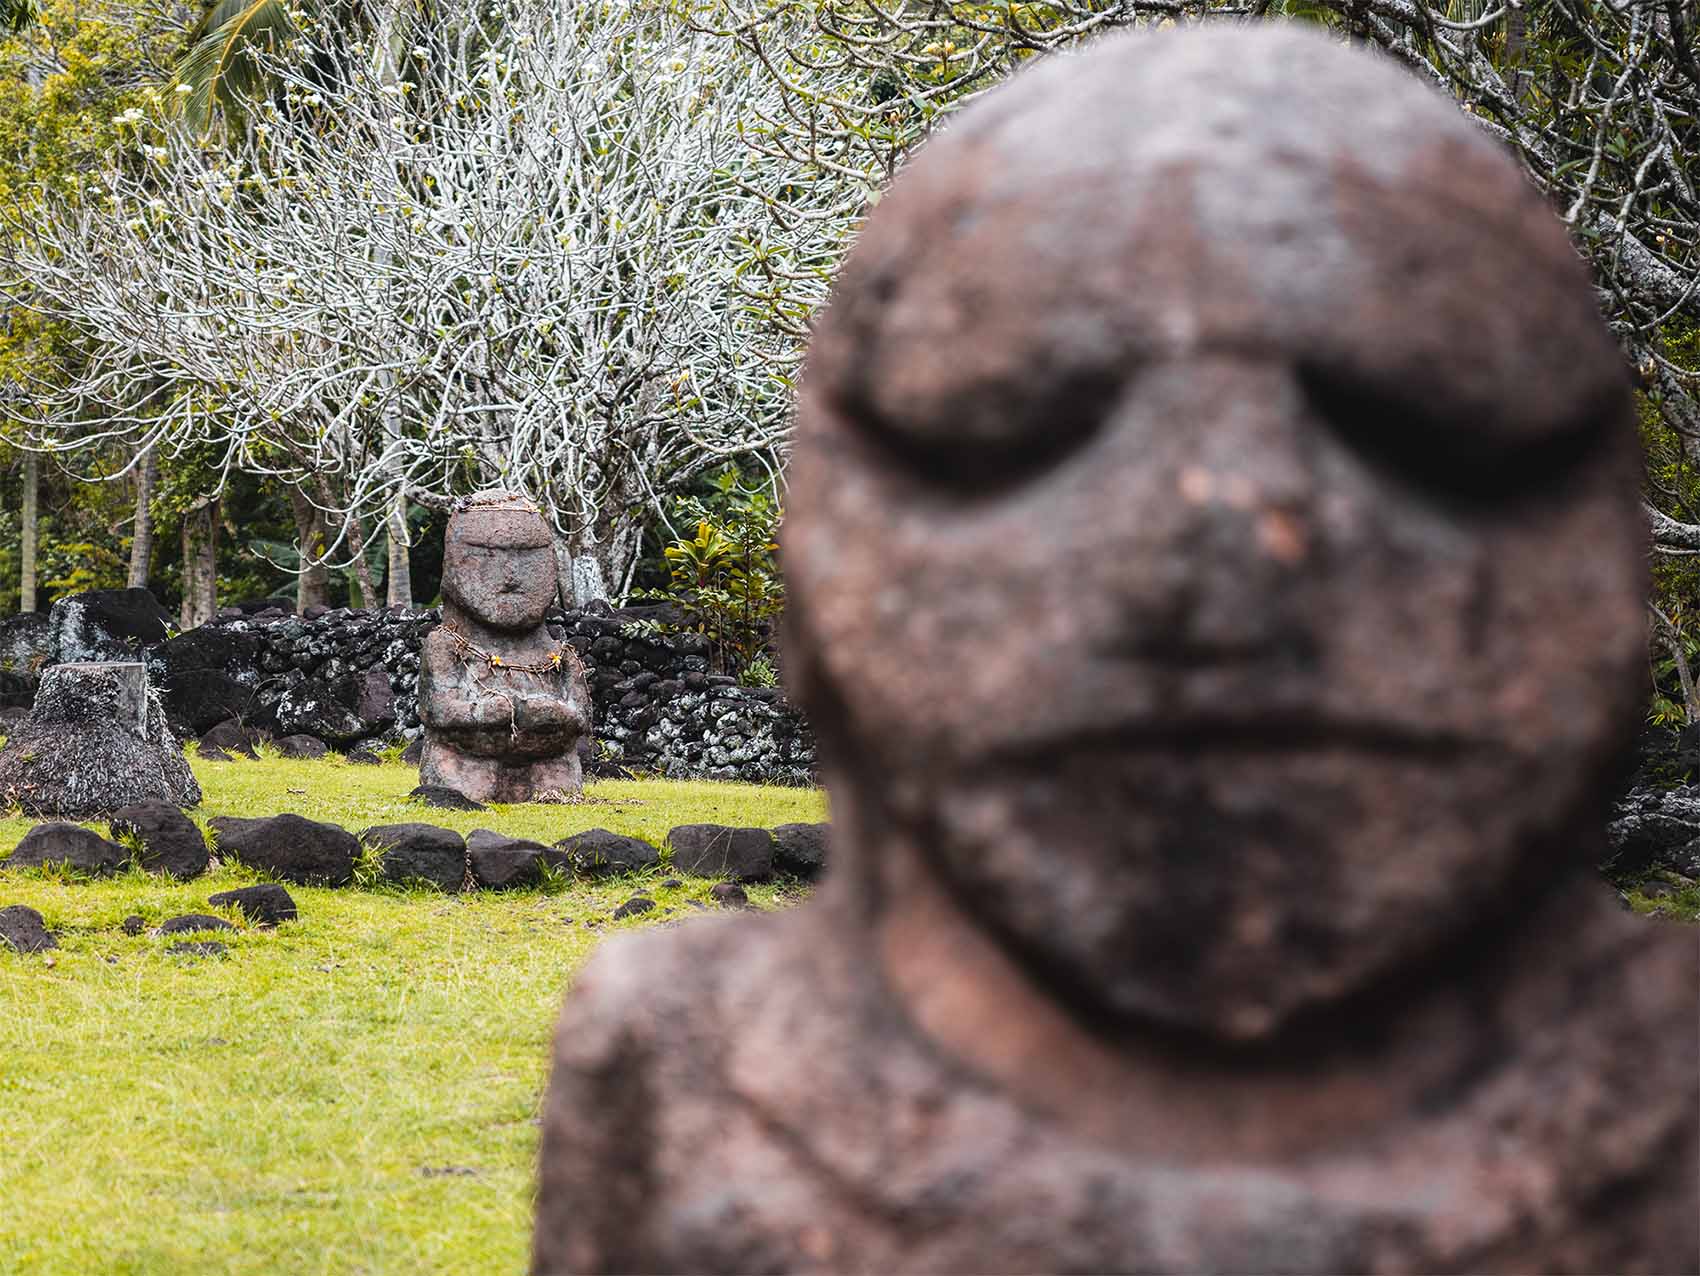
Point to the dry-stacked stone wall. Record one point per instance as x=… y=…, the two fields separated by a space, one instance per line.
x=350 y=676
x=659 y=709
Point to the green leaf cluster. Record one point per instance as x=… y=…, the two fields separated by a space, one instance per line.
x=725 y=578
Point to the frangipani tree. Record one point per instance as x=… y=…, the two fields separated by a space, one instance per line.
x=1600 y=99
x=537 y=253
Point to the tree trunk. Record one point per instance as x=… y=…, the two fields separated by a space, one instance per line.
x=1671 y=636
x=362 y=567
x=141 y=541
x=313 y=578
x=400 y=579
x=200 y=564
x=1518 y=80
x=399 y=573
x=591 y=568
x=582 y=580
x=32 y=494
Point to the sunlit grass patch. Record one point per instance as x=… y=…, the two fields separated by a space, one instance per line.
x=353 y=1092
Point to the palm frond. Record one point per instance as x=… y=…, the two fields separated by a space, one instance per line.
x=15 y=15
x=221 y=67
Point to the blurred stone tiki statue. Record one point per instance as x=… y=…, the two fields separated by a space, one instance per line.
x=504 y=705
x=1216 y=569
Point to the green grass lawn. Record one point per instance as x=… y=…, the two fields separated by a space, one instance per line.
x=355 y=1092
x=1665 y=895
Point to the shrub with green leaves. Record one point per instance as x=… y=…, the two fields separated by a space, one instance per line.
x=725 y=579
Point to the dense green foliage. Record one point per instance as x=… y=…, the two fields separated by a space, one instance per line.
x=724 y=578
x=1673 y=486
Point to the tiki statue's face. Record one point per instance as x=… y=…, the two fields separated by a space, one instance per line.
x=1214 y=534
x=499 y=563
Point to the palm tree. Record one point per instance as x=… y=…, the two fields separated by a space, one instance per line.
x=224 y=64
x=221 y=68
x=15 y=15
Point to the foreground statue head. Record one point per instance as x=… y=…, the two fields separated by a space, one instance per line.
x=503 y=703
x=1245 y=589
x=1216 y=576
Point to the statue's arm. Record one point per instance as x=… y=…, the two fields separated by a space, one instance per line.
x=446 y=696
x=594 y=1164
x=568 y=708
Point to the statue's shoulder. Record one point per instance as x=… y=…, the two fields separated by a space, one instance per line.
x=437 y=648
x=636 y=1085
x=630 y=996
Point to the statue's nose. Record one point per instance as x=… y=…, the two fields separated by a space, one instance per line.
x=1231 y=530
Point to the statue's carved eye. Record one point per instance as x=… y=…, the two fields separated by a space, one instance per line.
x=1451 y=445
x=973 y=377
x=990 y=433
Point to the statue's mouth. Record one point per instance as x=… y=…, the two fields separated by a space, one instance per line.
x=1261 y=734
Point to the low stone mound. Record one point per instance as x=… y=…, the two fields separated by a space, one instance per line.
x=96 y=741
x=301 y=746
x=715 y=850
x=71 y=845
x=445 y=798
x=189 y=923
x=600 y=853
x=499 y=862
x=634 y=907
x=24 y=930
x=265 y=905
x=420 y=852
x=171 y=843
x=298 y=850
x=231 y=739
x=366 y=753
x=800 y=850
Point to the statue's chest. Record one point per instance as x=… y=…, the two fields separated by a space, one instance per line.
x=942 y=1176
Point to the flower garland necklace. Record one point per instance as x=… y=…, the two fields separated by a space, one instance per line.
x=470 y=651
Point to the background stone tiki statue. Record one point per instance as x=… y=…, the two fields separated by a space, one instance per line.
x=504 y=704
x=1216 y=572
